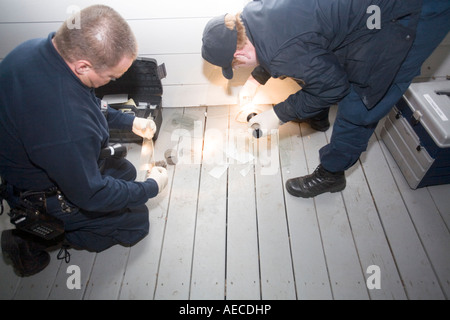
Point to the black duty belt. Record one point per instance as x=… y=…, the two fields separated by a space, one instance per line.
x=29 y=213
x=50 y=192
x=31 y=196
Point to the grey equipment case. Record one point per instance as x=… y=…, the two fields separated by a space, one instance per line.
x=417 y=134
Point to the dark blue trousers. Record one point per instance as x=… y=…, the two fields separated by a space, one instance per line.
x=99 y=231
x=354 y=123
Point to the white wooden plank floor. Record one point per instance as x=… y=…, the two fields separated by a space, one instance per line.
x=225 y=228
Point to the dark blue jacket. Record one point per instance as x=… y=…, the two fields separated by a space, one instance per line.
x=326 y=44
x=52 y=130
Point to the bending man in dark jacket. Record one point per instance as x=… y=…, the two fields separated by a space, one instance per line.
x=361 y=54
x=52 y=132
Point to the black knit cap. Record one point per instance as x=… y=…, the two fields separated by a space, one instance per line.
x=219 y=45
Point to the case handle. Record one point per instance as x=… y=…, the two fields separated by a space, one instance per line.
x=415 y=118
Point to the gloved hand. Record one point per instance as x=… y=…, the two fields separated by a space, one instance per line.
x=264 y=122
x=144 y=128
x=248 y=91
x=159 y=174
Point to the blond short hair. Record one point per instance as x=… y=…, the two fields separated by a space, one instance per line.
x=103 y=38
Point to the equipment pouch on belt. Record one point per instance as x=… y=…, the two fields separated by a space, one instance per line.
x=31 y=215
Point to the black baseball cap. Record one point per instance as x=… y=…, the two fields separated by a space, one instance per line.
x=219 y=45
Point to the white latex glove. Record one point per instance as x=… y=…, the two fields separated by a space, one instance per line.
x=144 y=128
x=265 y=122
x=248 y=91
x=159 y=174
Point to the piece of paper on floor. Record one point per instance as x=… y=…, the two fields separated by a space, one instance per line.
x=242 y=157
x=218 y=171
x=245 y=171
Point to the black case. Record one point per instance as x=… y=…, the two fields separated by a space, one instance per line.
x=142 y=83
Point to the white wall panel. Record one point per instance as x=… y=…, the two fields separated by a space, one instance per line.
x=169 y=31
x=169 y=36
x=160 y=36
x=188 y=68
x=13 y=34
x=57 y=10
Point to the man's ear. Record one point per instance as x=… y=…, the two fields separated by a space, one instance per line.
x=81 y=67
x=241 y=57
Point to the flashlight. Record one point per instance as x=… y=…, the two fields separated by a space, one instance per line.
x=115 y=151
x=257 y=133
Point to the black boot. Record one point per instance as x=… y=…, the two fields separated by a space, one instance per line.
x=28 y=257
x=319 y=122
x=320 y=181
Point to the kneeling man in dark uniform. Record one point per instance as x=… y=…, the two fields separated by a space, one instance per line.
x=52 y=133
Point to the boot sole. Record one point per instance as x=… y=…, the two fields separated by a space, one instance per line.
x=306 y=196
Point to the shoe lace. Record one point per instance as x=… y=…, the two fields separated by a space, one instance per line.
x=316 y=179
x=64 y=253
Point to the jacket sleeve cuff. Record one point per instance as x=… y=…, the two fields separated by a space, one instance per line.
x=119 y=120
x=261 y=75
x=151 y=188
x=284 y=112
